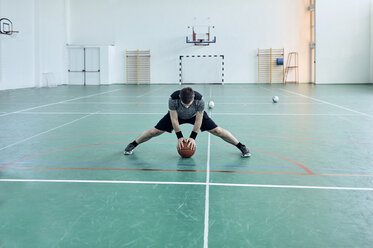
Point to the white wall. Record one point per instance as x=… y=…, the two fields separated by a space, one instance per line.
x=242 y=26
x=38 y=48
x=343 y=41
x=344 y=36
x=52 y=57
x=17 y=54
x=371 y=41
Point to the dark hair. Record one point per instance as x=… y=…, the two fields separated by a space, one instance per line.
x=187 y=95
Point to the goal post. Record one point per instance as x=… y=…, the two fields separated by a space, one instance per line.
x=201 y=69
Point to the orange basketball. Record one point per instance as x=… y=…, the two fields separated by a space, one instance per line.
x=185 y=151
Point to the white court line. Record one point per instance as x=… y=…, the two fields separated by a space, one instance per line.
x=149 y=103
x=216 y=96
x=207 y=196
x=272 y=91
x=332 y=104
x=50 y=104
x=265 y=103
x=252 y=96
x=98 y=181
x=186 y=183
x=134 y=97
x=207 y=192
x=289 y=186
x=163 y=113
x=225 y=103
x=86 y=113
x=275 y=114
x=36 y=135
x=150 y=91
x=355 y=123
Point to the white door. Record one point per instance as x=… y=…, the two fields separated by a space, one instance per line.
x=92 y=65
x=76 y=65
x=84 y=65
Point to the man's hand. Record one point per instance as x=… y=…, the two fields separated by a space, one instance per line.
x=180 y=143
x=191 y=143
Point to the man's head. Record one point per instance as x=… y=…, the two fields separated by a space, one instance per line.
x=187 y=96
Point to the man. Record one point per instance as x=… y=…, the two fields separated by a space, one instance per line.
x=187 y=106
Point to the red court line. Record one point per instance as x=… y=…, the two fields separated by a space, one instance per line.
x=343 y=175
x=70 y=134
x=106 y=143
x=287 y=159
x=58 y=150
x=309 y=172
x=141 y=169
x=176 y=170
x=247 y=135
x=312 y=139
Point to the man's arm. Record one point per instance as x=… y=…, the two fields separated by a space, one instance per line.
x=197 y=126
x=176 y=126
x=198 y=122
x=174 y=120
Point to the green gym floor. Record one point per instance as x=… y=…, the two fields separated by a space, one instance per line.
x=64 y=181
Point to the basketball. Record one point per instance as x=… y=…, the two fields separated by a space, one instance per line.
x=211 y=104
x=185 y=151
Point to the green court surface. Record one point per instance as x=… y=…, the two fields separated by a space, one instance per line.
x=64 y=181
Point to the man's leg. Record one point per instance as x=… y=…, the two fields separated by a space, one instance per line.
x=225 y=135
x=163 y=125
x=228 y=137
x=145 y=136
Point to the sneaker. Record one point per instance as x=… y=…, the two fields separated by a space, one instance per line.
x=245 y=152
x=129 y=149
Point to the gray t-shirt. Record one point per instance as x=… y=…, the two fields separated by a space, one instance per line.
x=186 y=113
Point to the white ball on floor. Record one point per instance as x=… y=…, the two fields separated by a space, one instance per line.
x=211 y=104
x=275 y=99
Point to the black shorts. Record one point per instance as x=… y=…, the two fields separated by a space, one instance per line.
x=165 y=123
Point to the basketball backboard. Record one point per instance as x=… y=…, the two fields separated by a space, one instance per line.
x=201 y=33
x=6 y=27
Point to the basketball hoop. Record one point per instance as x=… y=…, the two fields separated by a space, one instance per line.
x=201 y=33
x=200 y=42
x=12 y=34
x=6 y=27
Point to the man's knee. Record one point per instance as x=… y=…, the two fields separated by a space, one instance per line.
x=155 y=132
x=218 y=131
